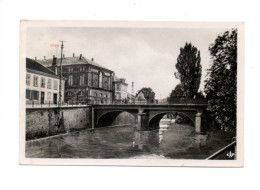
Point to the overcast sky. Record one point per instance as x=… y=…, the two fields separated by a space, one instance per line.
x=145 y=56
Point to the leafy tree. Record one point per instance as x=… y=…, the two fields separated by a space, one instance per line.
x=177 y=93
x=189 y=70
x=148 y=93
x=221 y=85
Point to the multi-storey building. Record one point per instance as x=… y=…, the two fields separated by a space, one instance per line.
x=120 y=90
x=86 y=81
x=42 y=84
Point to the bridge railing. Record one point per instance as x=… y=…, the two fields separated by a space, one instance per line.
x=37 y=104
x=228 y=152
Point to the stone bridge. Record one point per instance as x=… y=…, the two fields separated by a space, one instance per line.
x=148 y=115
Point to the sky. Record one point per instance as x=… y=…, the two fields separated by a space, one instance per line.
x=146 y=56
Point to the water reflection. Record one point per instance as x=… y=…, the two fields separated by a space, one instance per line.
x=164 y=125
x=146 y=140
x=169 y=141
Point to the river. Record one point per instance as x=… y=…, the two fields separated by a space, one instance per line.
x=170 y=141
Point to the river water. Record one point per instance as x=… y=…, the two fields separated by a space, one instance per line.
x=170 y=141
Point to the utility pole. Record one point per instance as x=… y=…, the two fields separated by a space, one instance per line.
x=60 y=94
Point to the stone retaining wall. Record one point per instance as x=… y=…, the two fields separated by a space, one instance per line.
x=41 y=122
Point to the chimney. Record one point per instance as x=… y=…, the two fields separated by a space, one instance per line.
x=92 y=59
x=54 y=61
x=80 y=56
x=44 y=57
x=35 y=58
x=73 y=54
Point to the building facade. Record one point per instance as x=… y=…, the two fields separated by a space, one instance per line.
x=86 y=81
x=42 y=84
x=120 y=90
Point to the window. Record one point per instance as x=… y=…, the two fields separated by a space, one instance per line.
x=49 y=84
x=35 y=95
x=28 y=78
x=69 y=93
x=42 y=82
x=70 y=80
x=35 y=80
x=100 y=94
x=105 y=83
x=95 y=80
x=28 y=94
x=117 y=87
x=81 y=80
x=55 y=85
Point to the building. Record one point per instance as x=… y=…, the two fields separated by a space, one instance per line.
x=86 y=81
x=42 y=84
x=130 y=98
x=120 y=90
x=140 y=98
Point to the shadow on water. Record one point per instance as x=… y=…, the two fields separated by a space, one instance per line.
x=170 y=141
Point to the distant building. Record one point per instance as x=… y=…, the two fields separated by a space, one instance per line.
x=119 y=90
x=87 y=81
x=42 y=84
x=140 y=98
x=130 y=98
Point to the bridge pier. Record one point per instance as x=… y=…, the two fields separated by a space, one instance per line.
x=198 y=123
x=142 y=120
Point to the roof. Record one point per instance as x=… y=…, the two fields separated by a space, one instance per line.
x=72 y=61
x=36 y=66
x=119 y=80
x=140 y=96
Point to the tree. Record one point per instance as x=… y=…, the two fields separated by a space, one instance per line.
x=176 y=94
x=221 y=84
x=148 y=93
x=189 y=70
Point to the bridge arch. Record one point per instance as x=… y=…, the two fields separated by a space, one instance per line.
x=108 y=117
x=154 y=120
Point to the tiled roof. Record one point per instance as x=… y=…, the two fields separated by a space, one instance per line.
x=36 y=66
x=71 y=61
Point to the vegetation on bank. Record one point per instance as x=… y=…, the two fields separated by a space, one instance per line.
x=220 y=85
